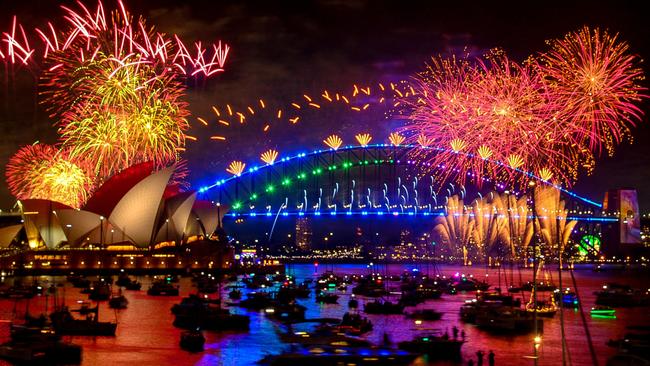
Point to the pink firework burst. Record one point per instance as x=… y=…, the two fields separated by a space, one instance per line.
x=593 y=79
x=491 y=118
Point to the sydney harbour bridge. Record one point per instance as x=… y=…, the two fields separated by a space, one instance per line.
x=358 y=182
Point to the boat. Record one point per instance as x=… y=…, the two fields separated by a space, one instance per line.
x=160 y=288
x=370 y=287
x=329 y=280
x=22 y=291
x=469 y=284
x=327 y=298
x=123 y=280
x=37 y=346
x=541 y=286
x=424 y=314
x=78 y=281
x=255 y=282
x=499 y=318
x=635 y=344
x=338 y=355
x=99 y=291
x=287 y=312
x=567 y=298
x=322 y=335
x=354 y=324
x=256 y=301
x=235 y=294
x=435 y=346
x=195 y=312
x=33 y=332
x=65 y=324
x=353 y=303
x=601 y=311
x=544 y=310
x=133 y=286
x=468 y=311
x=507 y=300
x=192 y=340
x=118 y=302
x=410 y=298
x=84 y=308
x=428 y=292
x=188 y=305
x=290 y=291
x=383 y=307
x=616 y=295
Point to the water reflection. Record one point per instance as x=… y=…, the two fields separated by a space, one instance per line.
x=145 y=334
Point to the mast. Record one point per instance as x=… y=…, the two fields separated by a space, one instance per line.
x=560 y=246
x=531 y=185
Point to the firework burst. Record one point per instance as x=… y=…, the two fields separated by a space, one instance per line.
x=495 y=118
x=333 y=141
x=115 y=87
x=594 y=82
x=44 y=172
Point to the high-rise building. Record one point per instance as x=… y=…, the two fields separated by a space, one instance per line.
x=626 y=235
x=303 y=233
x=405 y=237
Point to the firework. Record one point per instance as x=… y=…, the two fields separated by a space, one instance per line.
x=455 y=229
x=43 y=172
x=519 y=228
x=363 y=139
x=144 y=125
x=490 y=222
x=236 y=168
x=492 y=116
x=424 y=141
x=551 y=218
x=333 y=141
x=594 y=81
x=115 y=88
x=115 y=33
x=269 y=156
x=396 y=139
x=18 y=50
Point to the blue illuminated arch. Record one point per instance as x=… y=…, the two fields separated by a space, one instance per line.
x=256 y=169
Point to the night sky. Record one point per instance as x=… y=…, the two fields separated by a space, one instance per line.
x=281 y=50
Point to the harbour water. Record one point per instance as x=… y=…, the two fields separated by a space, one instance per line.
x=145 y=335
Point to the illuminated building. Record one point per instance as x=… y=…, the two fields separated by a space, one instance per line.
x=303 y=233
x=135 y=208
x=624 y=238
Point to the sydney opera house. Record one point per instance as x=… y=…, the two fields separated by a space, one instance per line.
x=133 y=220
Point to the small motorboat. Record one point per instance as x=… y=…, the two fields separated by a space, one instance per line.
x=601 y=311
x=84 y=308
x=383 y=307
x=425 y=314
x=192 y=340
x=327 y=298
x=436 y=346
x=133 y=286
x=118 y=302
x=160 y=288
x=340 y=355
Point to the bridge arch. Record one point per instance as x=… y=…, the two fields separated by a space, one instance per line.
x=379 y=179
